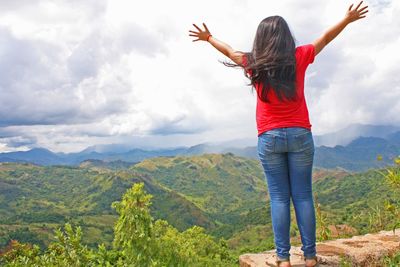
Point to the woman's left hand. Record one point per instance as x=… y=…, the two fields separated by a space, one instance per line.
x=356 y=13
x=201 y=35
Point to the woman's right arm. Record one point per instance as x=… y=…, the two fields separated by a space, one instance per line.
x=351 y=16
x=224 y=48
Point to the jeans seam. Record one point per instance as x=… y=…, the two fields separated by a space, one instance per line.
x=302 y=134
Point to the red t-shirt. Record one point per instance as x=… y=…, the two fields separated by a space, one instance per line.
x=277 y=114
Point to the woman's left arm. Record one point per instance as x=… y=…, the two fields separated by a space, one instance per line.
x=227 y=50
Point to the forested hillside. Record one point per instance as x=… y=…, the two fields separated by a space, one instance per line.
x=223 y=193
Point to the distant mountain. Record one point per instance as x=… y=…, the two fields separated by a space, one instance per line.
x=108 y=148
x=45 y=157
x=358 y=154
x=346 y=135
x=39 y=156
x=394 y=137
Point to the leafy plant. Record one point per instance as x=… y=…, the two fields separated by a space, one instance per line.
x=392 y=177
x=324 y=233
x=391 y=260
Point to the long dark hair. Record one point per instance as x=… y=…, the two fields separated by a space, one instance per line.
x=272 y=59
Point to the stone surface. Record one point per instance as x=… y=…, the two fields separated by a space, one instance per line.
x=362 y=250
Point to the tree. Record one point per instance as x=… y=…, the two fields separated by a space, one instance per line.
x=138 y=241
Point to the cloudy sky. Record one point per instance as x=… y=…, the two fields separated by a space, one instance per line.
x=79 y=73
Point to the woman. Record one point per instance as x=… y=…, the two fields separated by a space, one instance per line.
x=276 y=69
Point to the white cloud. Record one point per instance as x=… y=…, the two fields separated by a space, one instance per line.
x=364 y=87
x=79 y=73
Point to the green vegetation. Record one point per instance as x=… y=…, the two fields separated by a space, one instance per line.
x=391 y=260
x=138 y=241
x=220 y=197
x=41 y=199
x=358 y=200
x=231 y=182
x=392 y=177
x=44 y=198
x=322 y=224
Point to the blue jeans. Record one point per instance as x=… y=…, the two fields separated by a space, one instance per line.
x=287 y=155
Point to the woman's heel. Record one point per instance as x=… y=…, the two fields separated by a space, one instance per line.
x=278 y=262
x=313 y=258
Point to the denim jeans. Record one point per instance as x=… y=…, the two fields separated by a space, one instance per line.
x=287 y=155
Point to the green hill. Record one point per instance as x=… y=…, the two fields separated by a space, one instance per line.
x=35 y=200
x=211 y=191
x=356 y=198
x=224 y=193
x=219 y=184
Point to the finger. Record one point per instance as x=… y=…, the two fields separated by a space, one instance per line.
x=196 y=40
x=365 y=12
x=197 y=27
x=351 y=6
x=193 y=35
x=363 y=8
x=193 y=31
x=205 y=27
x=359 y=5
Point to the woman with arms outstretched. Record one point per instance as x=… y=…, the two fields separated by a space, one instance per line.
x=276 y=69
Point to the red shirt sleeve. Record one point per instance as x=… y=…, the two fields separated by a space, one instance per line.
x=306 y=54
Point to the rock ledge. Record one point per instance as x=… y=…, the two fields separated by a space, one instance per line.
x=363 y=250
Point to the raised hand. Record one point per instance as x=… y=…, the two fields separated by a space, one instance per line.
x=356 y=13
x=201 y=35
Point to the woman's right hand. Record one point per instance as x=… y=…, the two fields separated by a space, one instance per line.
x=201 y=35
x=356 y=13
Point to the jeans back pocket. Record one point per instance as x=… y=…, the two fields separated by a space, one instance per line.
x=303 y=142
x=266 y=143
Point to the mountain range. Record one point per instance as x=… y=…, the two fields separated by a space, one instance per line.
x=357 y=147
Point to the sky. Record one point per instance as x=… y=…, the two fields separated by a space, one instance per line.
x=75 y=73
